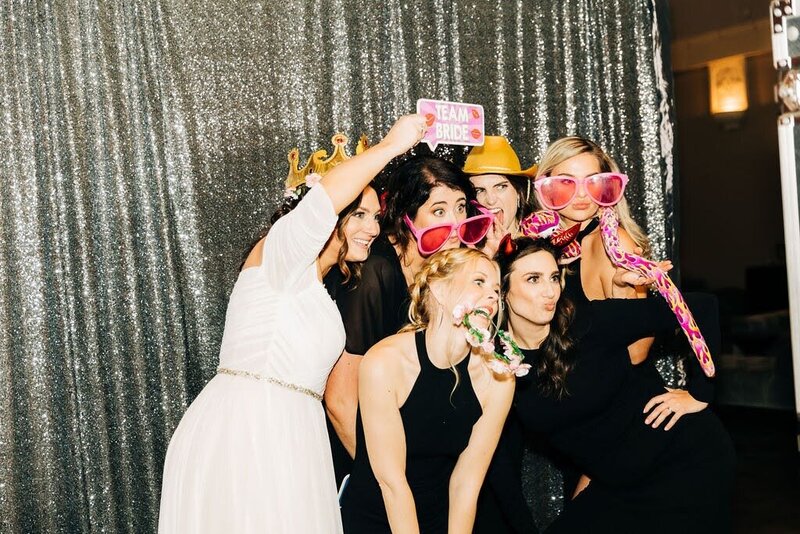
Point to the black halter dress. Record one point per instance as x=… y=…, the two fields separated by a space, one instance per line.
x=437 y=422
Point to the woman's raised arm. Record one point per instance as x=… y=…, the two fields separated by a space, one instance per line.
x=345 y=182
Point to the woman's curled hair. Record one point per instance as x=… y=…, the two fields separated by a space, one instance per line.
x=351 y=271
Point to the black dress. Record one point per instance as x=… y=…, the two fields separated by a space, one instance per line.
x=372 y=308
x=437 y=425
x=667 y=355
x=573 y=288
x=643 y=479
x=528 y=483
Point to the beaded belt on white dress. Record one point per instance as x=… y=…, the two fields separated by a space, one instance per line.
x=271 y=380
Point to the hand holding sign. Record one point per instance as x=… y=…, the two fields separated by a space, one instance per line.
x=451 y=123
x=405 y=133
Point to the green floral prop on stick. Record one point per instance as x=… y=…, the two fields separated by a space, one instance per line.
x=510 y=361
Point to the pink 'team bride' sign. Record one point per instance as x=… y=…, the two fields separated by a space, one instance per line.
x=452 y=123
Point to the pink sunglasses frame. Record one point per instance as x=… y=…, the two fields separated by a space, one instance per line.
x=539 y=183
x=485 y=213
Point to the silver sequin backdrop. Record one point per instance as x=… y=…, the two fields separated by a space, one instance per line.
x=143 y=145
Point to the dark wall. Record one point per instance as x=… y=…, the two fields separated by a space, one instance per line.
x=693 y=17
x=730 y=198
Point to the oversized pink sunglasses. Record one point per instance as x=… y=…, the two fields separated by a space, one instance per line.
x=605 y=189
x=469 y=231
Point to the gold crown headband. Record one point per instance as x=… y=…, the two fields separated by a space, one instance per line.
x=319 y=162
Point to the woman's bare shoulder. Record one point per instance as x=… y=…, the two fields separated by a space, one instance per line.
x=391 y=350
x=487 y=383
x=593 y=254
x=391 y=364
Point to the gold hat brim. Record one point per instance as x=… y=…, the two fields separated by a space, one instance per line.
x=477 y=170
x=496 y=156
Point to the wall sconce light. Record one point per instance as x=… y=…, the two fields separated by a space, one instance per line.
x=727 y=80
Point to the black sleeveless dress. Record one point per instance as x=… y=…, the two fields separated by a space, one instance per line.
x=665 y=353
x=573 y=288
x=373 y=307
x=437 y=427
x=643 y=479
x=528 y=483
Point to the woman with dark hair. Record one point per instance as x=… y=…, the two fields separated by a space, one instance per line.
x=426 y=210
x=430 y=408
x=659 y=460
x=505 y=188
x=356 y=228
x=251 y=453
x=501 y=185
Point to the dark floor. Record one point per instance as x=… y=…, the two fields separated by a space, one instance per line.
x=767 y=498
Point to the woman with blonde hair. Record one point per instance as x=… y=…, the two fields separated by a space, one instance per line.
x=575 y=178
x=425 y=210
x=430 y=409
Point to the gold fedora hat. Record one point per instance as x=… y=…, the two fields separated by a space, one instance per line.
x=496 y=157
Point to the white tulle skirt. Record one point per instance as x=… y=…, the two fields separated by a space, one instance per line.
x=249 y=456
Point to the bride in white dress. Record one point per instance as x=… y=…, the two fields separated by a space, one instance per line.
x=251 y=454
